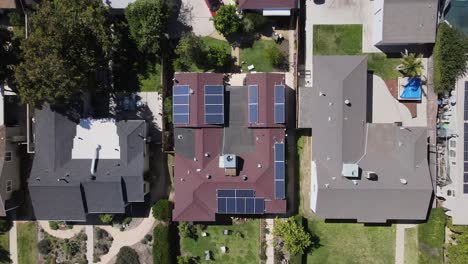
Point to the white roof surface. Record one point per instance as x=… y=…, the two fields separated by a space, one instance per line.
x=96 y=133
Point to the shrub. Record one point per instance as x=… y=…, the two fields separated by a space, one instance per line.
x=102 y=248
x=16 y=18
x=217 y=57
x=187 y=230
x=54 y=225
x=44 y=247
x=82 y=236
x=148 y=237
x=162 y=210
x=274 y=55
x=70 y=248
x=101 y=233
x=296 y=238
x=106 y=218
x=126 y=221
x=161 y=247
x=450 y=57
x=127 y=255
x=5 y=225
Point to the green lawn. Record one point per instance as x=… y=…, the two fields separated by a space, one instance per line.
x=242 y=243
x=27 y=243
x=342 y=243
x=151 y=79
x=257 y=56
x=300 y=147
x=383 y=66
x=210 y=42
x=337 y=39
x=431 y=237
x=411 y=246
x=347 y=40
x=4 y=246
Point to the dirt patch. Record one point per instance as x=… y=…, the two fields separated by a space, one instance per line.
x=392 y=86
x=304 y=162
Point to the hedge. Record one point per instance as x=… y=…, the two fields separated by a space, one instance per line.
x=162 y=245
x=162 y=210
x=449 y=58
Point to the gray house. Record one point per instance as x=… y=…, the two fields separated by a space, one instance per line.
x=12 y=135
x=360 y=171
x=400 y=24
x=90 y=166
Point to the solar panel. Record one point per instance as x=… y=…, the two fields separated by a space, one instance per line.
x=214 y=104
x=465 y=188
x=280 y=171
x=253 y=103
x=279 y=104
x=181 y=104
x=465 y=177
x=234 y=201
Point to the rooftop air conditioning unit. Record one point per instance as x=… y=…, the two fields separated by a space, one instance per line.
x=350 y=170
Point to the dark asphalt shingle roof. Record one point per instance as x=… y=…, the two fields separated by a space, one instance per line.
x=54 y=143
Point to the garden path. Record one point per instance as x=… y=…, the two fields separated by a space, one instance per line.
x=270 y=250
x=400 y=242
x=89 y=229
x=63 y=234
x=13 y=243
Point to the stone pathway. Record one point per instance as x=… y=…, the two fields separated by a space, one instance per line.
x=126 y=238
x=270 y=251
x=400 y=242
x=89 y=243
x=13 y=243
x=63 y=234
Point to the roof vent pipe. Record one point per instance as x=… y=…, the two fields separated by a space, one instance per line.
x=355 y=182
x=403 y=181
x=208 y=176
x=244 y=178
x=207 y=154
x=259 y=165
x=180 y=137
x=321 y=94
x=347 y=102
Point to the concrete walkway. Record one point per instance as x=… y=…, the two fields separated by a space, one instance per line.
x=89 y=243
x=13 y=243
x=126 y=238
x=400 y=242
x=270 y=250
x=63 y=234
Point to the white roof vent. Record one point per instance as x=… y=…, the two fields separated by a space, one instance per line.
x=355 y=182
x=327 y=185
x=403 y=181
x=350 y=170
x=198 y=170
x=259 y=165
x=194 y=158
x=322 y=94
x=180 y=137
x=207 y=154
x=347 y=102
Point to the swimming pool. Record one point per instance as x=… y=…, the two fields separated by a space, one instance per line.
x=412 y=90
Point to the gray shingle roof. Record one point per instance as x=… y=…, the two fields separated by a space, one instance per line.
x=409 y=21
x=341 y=134
x=104 y=194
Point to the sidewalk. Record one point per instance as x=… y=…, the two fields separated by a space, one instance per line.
x=270 y=251
x=89 y=243
x=13 y=243
x=400 y=242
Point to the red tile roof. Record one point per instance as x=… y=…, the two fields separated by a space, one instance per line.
x=197 y=83
x=195 y=194
x=267 y=4
x=7 y=4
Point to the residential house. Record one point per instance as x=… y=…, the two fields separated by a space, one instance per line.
x=360 y=171
x=86 y=166
x=12 y=137
x=405 y=24
x=229 y=146
x=269 y=7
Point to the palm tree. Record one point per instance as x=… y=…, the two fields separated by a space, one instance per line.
x=411 y=65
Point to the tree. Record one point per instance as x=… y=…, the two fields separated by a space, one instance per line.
x=190 y=51
x=44 y=247
x=411 y=65
x=9 y=52
x=217 y=57
x=274 y=55
x=66 y=53
x=147 y=21
x=227 y=21
x=106 y=218
x=162 y=210
x=253 y=22
x=296 y=238
x=450 y=57
x=127 y=255
x=54 y=225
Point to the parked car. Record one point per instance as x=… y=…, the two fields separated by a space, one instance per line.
x=213 y=5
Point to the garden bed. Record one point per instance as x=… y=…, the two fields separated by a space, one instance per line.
x=102 y=243
x=55 y=250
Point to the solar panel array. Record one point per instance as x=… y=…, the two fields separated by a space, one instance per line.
x=253 y=103
x=235 y=201
x=181 y=104
x=214 y=104
x=280 y=187
x=279 y=104
x=465 y=154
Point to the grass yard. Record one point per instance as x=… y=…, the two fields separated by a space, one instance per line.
x=27 y=243
x=257 y=56
x=431 y=237
x=242 y=243
x=300 y=147
x=4 y=247
x=352 y=243
x=211 y=42
x=383 y=66
x=337 y=39
x=411 y=246
x=151 y=79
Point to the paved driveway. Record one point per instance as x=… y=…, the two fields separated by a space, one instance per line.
x=195 y=13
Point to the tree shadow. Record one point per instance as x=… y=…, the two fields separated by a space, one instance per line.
x=5 y=256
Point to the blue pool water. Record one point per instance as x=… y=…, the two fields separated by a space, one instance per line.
x=412 y=89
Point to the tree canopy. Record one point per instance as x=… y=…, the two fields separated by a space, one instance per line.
x=9 y=52
x=127 y=255
x=162 y=210
x=450 y=57
x=66 y=53
x=296 y=238
x=147 y=21
x=227 y=21
x=411 y=65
